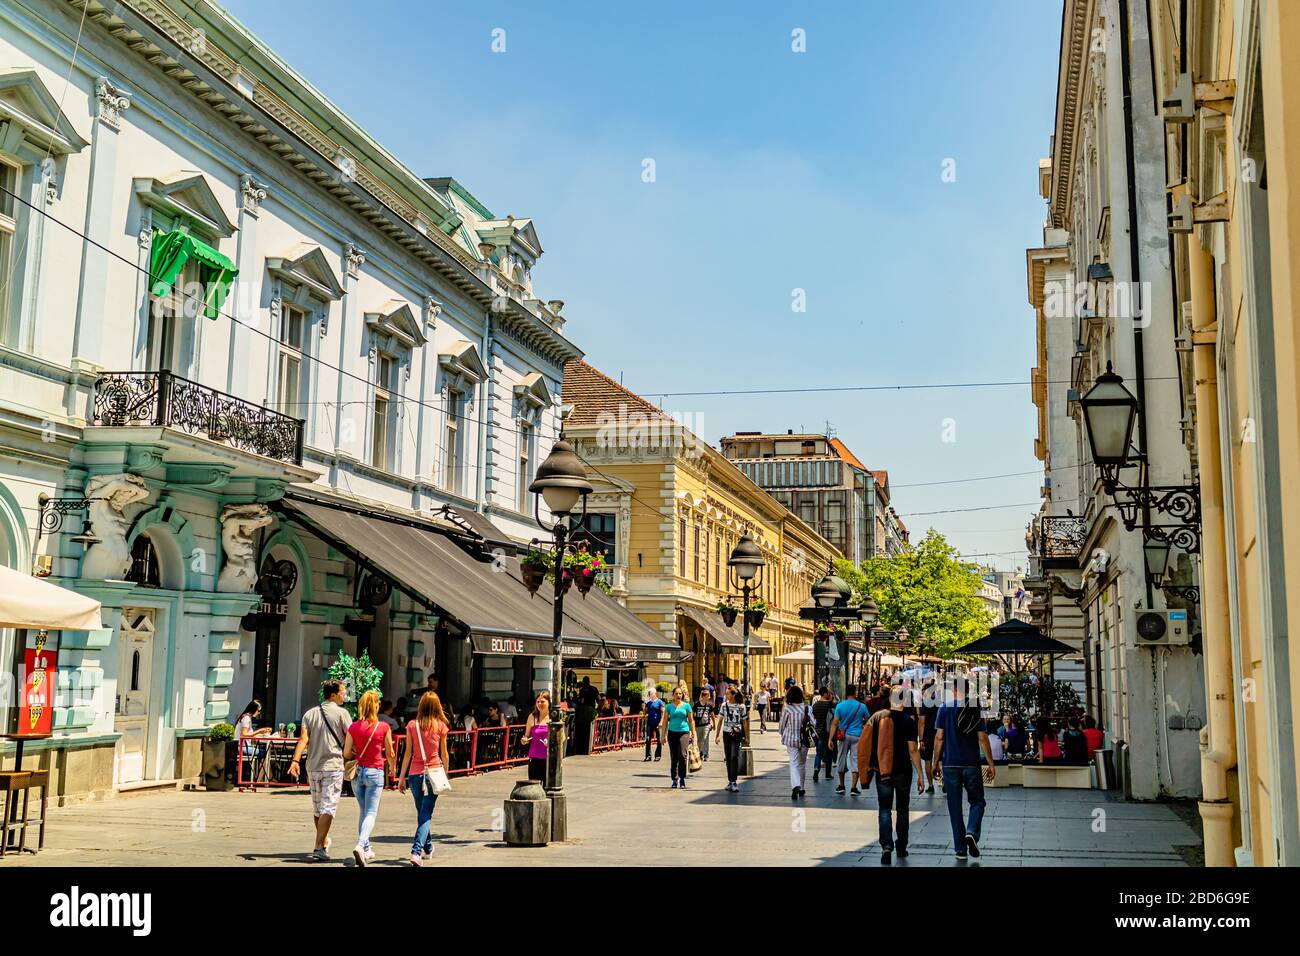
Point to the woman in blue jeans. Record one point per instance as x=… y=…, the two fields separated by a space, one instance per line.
x=370 y=743
x=426 y=749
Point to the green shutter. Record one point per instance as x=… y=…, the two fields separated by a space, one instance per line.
x=168 y=255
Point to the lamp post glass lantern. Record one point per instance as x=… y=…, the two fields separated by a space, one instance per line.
x=1109 y=413
x=745 y=573
x=561 y=482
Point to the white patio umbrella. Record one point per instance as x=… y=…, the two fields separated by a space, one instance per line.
x=802 y=656
x=29 y=602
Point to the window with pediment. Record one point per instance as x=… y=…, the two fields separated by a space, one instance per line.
x=303 y=288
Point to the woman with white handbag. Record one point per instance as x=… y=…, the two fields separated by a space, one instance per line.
x=424 y=770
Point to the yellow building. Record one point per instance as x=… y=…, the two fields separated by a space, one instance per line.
x=1230 y=83
x=670 y=508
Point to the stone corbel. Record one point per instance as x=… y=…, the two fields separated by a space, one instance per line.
x=252 y=193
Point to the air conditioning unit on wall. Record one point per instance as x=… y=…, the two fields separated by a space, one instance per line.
x=1162 y=628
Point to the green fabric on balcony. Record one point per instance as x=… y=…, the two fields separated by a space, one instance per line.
x=169 y=254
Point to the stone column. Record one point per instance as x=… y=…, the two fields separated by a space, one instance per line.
x=112 y=102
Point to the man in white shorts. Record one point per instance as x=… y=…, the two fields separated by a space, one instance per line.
x=324 y=728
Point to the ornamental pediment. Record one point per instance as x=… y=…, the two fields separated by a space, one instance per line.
x=305 y=265
x=29 y=111
x=185 y=195
x=397 y=321
x=461 y=362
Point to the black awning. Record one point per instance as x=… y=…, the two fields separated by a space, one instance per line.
x=485 y=596
x=478 y=587
x=731 y=640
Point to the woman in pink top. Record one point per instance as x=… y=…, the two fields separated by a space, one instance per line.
x=370 y=743
x=426 y=747
x=535 y=736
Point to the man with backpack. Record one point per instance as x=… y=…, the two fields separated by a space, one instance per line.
x=888 y=749
x=960 y=742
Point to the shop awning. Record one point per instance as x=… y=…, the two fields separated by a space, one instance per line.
x=730 y=640
x=486 y=595
x=168 y=255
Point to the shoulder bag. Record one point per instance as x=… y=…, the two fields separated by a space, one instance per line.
x=435 y=778
x=809 y=730
x=350 y=767
x=693 y=759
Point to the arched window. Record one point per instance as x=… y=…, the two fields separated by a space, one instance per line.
x=144 y=563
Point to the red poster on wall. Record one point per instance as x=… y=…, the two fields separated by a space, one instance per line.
x=36 y=706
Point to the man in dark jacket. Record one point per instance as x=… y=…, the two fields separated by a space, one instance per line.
x=888 y=749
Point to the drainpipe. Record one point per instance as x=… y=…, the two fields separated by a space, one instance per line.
x=1218 y=737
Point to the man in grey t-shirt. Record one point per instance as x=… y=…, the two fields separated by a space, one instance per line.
x=324 y=729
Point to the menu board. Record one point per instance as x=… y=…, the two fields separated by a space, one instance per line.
x=36 y=703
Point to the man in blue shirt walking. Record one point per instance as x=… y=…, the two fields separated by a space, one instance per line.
x=654 y=715
x=848 y=718
x=959 y=744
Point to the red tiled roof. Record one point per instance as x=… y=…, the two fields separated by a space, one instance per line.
x=847 y=455
x=591 y=392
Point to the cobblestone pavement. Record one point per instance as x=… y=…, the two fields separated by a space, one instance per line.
x=621 y=811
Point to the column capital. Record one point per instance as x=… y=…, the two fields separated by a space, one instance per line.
x=113 y=101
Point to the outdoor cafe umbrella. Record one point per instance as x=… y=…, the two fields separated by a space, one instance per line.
x=28 y=602
x=802 y=656
x=1016 y=638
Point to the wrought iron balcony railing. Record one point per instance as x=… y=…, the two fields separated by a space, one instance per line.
x=164 y=399
x=1061 y=539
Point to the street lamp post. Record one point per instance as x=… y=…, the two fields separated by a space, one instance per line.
x=561 y=481
x=745 y=573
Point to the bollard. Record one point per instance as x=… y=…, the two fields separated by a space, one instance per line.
x=528 y=815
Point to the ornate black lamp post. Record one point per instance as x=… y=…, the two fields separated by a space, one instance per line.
x=1109 y=413
x=561 y=481
x=745 y=574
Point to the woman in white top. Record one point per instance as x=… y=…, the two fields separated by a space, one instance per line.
x=760 y=700
x=794 y=715
x=244 y=728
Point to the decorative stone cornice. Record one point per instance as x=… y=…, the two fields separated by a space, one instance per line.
x=113 y=101
x=1075 y=35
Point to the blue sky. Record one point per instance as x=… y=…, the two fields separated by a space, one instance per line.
x=774 y=171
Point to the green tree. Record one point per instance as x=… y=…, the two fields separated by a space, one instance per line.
x=928 y=589
x=358 y=676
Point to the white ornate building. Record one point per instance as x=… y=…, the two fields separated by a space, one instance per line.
x=264 y=298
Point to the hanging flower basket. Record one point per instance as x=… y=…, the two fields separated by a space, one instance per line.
x=534 y=567
x=728 y=612
x=584 y=578
x=584 y=568
x=756 y=618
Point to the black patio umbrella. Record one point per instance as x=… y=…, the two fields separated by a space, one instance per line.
x=1015 y=639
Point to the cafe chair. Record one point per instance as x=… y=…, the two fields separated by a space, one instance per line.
x=11 y=783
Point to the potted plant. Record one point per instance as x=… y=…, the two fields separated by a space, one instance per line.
x=584 y=566
x=728 y=610
x=756 y=610
x=218 y=749
x=535 y=565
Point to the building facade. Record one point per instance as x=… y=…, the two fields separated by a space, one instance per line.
x=264 y=299
x=675 y=508
x=1104 y=298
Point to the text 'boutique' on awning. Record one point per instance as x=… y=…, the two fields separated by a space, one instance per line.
x=464 y=569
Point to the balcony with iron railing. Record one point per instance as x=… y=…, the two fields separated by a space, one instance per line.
x=164 y=399
x=1060 y=540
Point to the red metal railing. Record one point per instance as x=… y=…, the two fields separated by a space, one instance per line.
x=264 y=761
x=615 y=733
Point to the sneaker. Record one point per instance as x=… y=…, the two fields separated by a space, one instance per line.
x=417 y=859
x=659 y=756
x=683 y=786
x=856 y=792
x=321 y=854
x=359 y=854
x=884 y=857
x=802 y=792
x=794 y=794
x=815 y=772
x=674 y=783
x=972 y=845
x=370 y=854
x=840 y=789
x=647 y=758
x=961 y=857
x=930 y=789
x=902 y=852
x=428 y=852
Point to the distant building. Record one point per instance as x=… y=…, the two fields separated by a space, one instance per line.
x=819 y=479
